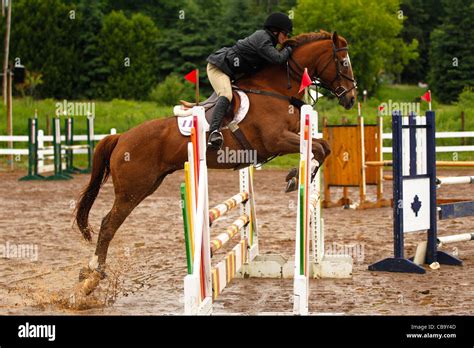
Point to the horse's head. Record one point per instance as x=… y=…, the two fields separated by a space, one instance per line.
x=327 y=58
x=338 y=76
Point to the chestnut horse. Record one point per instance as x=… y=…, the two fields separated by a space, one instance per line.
x=139 y=159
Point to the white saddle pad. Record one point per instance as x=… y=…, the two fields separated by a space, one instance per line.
x=185 y=115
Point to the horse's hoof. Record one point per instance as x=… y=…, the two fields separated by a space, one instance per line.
x=90 y=284
x=291 y=174
x=84 y=273
x=291 y=185
x=313 y=173
x=101 y=272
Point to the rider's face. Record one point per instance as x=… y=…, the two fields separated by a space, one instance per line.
x=282 y=37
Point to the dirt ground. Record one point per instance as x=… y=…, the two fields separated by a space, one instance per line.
x=147 y=264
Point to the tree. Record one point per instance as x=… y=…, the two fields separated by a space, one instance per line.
x=129 y=51
x=195 y=35
x=163 y=12
x=44 y=37
x=372 y=31
x=93 y=70
x=451 y=54
x=421 y=17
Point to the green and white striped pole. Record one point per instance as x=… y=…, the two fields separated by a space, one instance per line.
x=58 y=170
x=32 y=151
x=90 y=142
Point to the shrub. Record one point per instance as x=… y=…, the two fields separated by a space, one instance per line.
x=171 y=90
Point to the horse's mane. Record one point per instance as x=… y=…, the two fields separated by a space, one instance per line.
x=302 y=39
x=294 y=42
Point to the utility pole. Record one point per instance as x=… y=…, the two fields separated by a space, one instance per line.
x=7 y=48
x=7 y=77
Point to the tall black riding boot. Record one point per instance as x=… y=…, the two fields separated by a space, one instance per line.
x=216 y=139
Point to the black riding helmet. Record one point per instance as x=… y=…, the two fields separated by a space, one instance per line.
x=279 y=21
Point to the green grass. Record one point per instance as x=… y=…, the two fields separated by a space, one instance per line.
x=119 y=114
x=448 y=116
x=125 y=114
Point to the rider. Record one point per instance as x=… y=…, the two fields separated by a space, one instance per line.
x=247 y=56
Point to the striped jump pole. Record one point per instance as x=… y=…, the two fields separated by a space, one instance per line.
x=204 y=283
x=223 y=208
x=307 y=206
x=70 y=147
x=198 y=293
x=90 y=142
x=69 y=141
x=60 y=151
x=32 y=151
x=311 y=261
x=226 y=270
x=57 y=148
x=223 y=238
x=246 y=249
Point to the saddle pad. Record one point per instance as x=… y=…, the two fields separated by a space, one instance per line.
x=185 y=116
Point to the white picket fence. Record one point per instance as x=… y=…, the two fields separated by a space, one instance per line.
x=45 y=152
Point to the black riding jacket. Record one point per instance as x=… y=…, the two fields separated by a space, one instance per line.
x=249 y=55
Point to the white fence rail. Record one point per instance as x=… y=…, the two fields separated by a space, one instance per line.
x=385 y=136
x=441 y=135
x=45 y=138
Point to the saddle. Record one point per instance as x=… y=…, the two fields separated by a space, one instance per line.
x=236 y=112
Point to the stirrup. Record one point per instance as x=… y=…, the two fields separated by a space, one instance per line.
x=215 y=141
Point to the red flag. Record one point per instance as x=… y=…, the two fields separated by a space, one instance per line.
x=305 y=81
x=381 y=107
x=192 y=76
x=426 y=96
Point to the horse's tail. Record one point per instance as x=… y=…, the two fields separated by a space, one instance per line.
x=99 y=175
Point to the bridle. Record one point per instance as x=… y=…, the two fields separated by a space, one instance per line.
x=295 y=69
x=296 y=72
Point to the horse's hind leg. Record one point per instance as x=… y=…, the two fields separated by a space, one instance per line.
x=110 y=224
x=124 y=204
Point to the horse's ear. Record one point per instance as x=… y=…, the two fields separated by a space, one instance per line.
x=335 y=38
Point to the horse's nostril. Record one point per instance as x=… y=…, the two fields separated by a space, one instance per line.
x=352 y=102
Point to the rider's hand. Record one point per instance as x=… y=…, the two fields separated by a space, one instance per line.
x=290 y=43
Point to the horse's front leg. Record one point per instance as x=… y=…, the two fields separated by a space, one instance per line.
x=321 y=150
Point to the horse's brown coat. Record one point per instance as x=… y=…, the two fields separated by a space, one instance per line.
x=139 y=159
